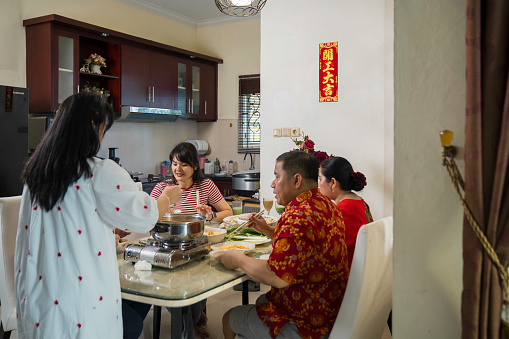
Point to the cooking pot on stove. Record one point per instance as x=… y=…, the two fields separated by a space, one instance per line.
x=179 y=227
x=246 y=183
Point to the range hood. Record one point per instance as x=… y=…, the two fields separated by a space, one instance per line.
x=147 y=114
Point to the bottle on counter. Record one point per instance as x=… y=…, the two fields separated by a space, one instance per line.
x=230 y=167
x=223 y=169
x=162 y=169
x=217 y=166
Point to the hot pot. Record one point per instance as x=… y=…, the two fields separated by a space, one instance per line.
x=181 y=227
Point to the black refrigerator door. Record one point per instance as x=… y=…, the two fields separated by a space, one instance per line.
x=13 y=138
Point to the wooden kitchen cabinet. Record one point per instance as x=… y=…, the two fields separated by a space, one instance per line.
x=55 y=55
x=139 y=72
x=147 y=78
x=197 y=90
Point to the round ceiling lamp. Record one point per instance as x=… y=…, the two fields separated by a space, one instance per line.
x=240 y=7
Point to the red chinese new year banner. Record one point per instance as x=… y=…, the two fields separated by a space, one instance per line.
x=328 y=73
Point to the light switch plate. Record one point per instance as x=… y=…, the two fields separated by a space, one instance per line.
x=276 y=132
x=285 y=131
x=295 y=132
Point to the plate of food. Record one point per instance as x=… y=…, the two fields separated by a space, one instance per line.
x=253 y=239
x=241 y=246
x=236 y=220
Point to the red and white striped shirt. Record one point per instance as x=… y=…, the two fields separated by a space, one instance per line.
x=209 y=195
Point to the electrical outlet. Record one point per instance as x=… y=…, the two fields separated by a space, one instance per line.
x=276 y=132
x=295 y=132
x=285 y=131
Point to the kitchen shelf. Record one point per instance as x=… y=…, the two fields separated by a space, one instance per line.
x=95 y=75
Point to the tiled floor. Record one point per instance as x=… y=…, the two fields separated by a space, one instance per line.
x=216 y=307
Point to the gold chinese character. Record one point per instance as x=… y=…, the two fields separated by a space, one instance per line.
x=328 y=67
x=327 y=78
x=328 y=90
x=328 y=54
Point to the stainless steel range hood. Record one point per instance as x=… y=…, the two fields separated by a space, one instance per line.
x=147 y=114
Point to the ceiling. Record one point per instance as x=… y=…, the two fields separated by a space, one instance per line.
x=198 y=12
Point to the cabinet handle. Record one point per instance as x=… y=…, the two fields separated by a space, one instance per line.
x=78 y=88
x=149 y=93
x=205 y=108
x=153 y=93
x=189 y=106
x=192 y=106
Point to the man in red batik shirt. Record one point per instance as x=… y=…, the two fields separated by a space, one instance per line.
x=308 y=267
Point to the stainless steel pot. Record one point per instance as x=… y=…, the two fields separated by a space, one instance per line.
x=179 y=227
x=246 y=183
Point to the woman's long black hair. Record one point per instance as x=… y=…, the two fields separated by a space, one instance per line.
x=187 y=153
x=61 y=157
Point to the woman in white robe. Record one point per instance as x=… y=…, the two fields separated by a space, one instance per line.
x=66 y=272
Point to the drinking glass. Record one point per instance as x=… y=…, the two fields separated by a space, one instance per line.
x=267 y=204
x=280 y=209
x=237 y=207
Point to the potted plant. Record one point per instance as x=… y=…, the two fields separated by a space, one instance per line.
x=96 y=62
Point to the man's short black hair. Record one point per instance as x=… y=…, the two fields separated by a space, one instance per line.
x=305 y=164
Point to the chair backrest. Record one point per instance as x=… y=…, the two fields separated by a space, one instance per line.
x=9 y=211
x=368 y=296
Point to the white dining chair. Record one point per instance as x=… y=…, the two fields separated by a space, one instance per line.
x=9 y=211
x=368 y=296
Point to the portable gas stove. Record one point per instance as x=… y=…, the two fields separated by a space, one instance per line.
x=167 y=254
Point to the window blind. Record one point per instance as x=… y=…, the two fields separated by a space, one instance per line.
x=249 y=132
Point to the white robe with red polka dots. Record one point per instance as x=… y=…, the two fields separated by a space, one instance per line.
x=66 y=272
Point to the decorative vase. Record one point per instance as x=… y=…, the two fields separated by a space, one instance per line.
x=95 y=69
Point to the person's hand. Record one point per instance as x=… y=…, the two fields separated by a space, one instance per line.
x=174 y=193
x=121 y=233
x=229 y=259
x=258 y=224
x=205 y=210
x=117 y=239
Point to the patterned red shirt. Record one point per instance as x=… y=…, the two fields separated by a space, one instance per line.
x=309 y=253
x=209 y=195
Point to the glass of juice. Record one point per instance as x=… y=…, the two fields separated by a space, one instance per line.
x=267 y=204
x=280 y=209
x=237 y=207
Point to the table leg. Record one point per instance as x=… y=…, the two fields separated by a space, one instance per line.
x=156 y=322
x=176 y=322
x=245 y=292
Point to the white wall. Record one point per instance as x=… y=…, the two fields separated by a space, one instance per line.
x=353 y=127
x=239 y=45
x=429 y=97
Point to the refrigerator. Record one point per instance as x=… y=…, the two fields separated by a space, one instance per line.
x=13 y=138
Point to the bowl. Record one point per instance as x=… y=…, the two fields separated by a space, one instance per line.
x=234 y=245
x=217 y=236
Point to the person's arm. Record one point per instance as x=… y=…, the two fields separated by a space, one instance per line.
x=169 y=197
x=255 y=268
x=223 y=210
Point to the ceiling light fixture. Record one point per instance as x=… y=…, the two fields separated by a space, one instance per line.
x=240 y=7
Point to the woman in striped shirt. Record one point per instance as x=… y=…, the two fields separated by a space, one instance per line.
x=198 y=193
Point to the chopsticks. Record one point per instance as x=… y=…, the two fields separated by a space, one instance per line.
x=198 y=196
x=234 y=233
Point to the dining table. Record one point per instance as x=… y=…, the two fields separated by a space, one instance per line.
x=182 y=286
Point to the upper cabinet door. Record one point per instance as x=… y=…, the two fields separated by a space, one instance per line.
x=52 y=63
x=135 y=77
x=209 y=92
x=197 y=90
x=162 y=74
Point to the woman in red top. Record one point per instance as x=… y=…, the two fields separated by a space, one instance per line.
x=336 y=180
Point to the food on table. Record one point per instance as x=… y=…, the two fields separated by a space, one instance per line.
x=211 y=232
x=234 y=246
